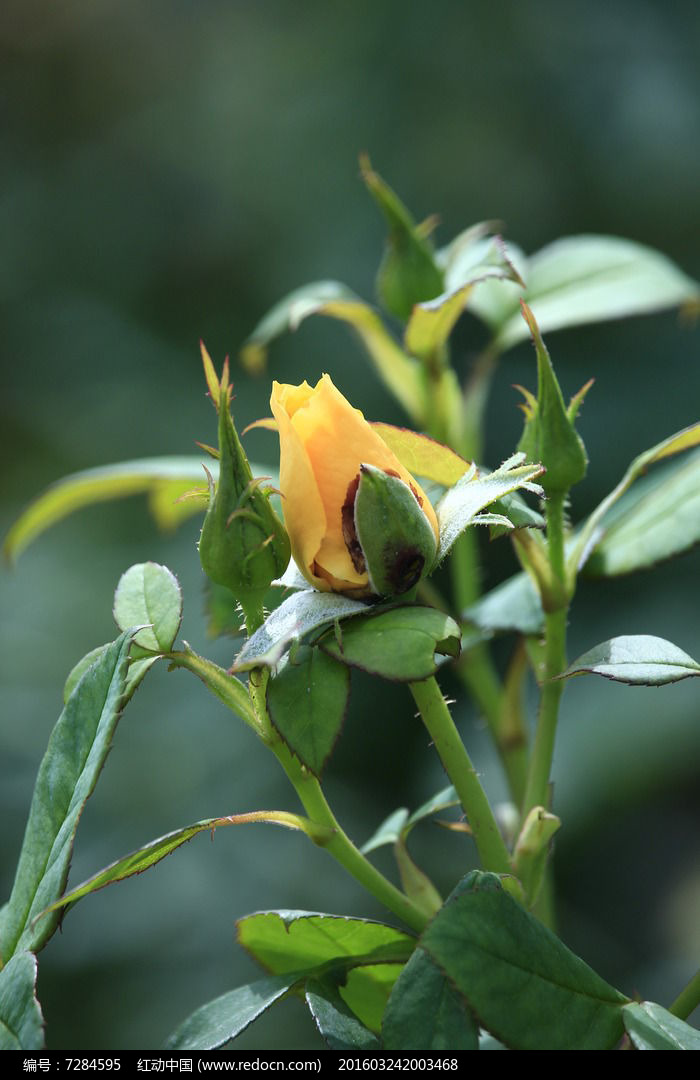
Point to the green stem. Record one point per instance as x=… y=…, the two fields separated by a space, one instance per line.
x=340 y=846
x=458 y=766
x=687 y=1000
x=537 y=791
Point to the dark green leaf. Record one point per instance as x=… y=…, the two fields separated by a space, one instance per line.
x=227 y=1016
x=655 y=522
x=514 y=605
x=521 y=981
x=146 y=857
x=296 y=616
x=339 y=1027
x=148 y=593
x=640 y=660
x=651 y=1027
x=21 y=1022
x=425 y=1012
x=399 y=644
x=307 y=700
x=77 y=749
x=461 y=506
x=583 y=279
x=284 y=941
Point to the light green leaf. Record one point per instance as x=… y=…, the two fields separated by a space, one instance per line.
x=76 y=752
x=148 y=593
x=590 y=534
x=146 y=857
x=339 y=1027
x=422 y=456
x=280 y=320
x=399 y=644
x=655 y=522
x=399 y=372
x=426 y=1013
x=307 y=700
x=651 y=1027
x=496 y=954
x=163 y=479
x=296 y=616
x=367 y=989
x=388 y=832
x=513 y=605
x=432 y=321
x=639 y=660
x=227 y=1016
x=21 y=1022
x=460 y=506
x=285 y=941
x=583 y=279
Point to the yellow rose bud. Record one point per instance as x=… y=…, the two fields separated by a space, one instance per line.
x=323 y=443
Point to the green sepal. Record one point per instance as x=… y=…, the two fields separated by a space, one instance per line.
x=243 y=544
x=532 y=850
x=408 y=272
x=549 y=435
x=396 y=538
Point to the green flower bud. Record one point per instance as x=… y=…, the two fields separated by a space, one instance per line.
x=549 y=435
x=389 y=532
x=243 y=544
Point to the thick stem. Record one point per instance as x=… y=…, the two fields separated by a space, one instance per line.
x=341 y=847
x=458 y=766
x=687 y=1000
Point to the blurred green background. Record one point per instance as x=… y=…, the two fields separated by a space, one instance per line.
x=169 y=171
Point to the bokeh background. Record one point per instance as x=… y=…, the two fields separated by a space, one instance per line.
x=169 y=171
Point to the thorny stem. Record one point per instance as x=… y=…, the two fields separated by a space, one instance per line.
x=458 y=766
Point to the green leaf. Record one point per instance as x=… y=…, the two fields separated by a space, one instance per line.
x=163 y=479
x=388 y=832
x=296 y=616
x=422 y=456
x=149 y=593
x=285 y=941
x=415 y=882
x=280 y=319
x=496 y=954
x=584 y=279
x=460 y=506
x=432 y=321
x=399 y=372
x=339 y=1027
x=520 y=515
x=513 y=605
x=655 y=521
x=367 y=989
x=227 y=1016
x=137 y=671
x=408 y=272
x=426 y=1013
x=651 y=1027
x=639 y=660
x=307 y=700
x=21 y=1022
x=589 y=534
x=76 y=752
x=399 y=644
x=146 y=857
